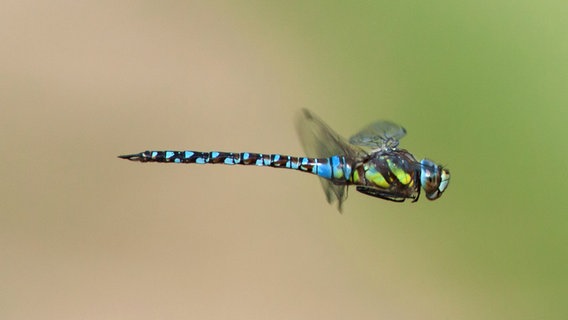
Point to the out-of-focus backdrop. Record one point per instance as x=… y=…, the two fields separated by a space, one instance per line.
x=480 y=86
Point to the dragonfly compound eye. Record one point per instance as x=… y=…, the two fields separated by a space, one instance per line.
x=434 y=179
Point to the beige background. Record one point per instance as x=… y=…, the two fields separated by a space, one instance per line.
x=84 y=235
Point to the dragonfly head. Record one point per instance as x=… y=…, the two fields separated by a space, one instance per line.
x=434 y=179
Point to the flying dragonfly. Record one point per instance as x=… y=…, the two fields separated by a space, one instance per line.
x=370 y=160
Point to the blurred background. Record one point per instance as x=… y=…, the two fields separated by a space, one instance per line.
x=480 y=86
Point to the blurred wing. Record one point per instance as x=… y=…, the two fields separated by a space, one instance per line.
x=320 y=141
x=378 y=135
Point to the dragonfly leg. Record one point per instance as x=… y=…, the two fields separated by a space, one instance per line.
x=380 y=194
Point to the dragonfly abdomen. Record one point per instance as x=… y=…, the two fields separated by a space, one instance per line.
x=333 y=168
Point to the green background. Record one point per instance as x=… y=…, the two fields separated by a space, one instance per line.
x=481 y=87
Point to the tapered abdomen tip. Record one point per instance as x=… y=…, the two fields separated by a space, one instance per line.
x=131 y=157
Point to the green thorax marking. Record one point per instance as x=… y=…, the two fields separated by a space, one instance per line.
x=384 y=170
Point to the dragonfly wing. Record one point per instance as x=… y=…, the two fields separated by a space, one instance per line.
x=379 y=134
x=320 y=141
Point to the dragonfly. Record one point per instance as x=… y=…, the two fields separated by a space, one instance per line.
x=370 y=160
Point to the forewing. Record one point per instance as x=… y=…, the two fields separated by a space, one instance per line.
x=379 y=134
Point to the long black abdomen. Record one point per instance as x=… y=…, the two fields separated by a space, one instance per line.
x=333 y=168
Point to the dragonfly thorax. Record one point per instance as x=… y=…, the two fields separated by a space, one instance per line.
x=433 y=178
x=390 y=174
